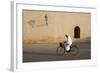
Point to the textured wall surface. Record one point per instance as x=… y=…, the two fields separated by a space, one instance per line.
x=48 y=26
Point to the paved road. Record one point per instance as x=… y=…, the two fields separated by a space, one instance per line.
x=47 y=52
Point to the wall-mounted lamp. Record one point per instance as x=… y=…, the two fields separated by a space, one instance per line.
x=46 y=19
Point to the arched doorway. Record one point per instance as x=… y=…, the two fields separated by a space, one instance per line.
x=77 y=32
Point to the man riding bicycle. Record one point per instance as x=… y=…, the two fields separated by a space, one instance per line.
x=67 y=47
x=67 y=42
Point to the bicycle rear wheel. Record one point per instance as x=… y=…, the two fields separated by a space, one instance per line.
x=74 y=50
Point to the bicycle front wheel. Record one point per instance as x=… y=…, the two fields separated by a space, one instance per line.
x=60 y=51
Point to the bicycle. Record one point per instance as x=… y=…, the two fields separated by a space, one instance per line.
x=61 y=50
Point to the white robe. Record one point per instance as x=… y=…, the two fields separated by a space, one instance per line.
x=69 y=42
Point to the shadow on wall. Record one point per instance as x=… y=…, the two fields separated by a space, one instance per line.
x=87 y=39
x=51 y=40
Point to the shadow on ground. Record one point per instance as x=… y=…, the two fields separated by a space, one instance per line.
x=47 y=52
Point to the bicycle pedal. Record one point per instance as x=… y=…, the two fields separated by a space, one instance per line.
x=67 y=50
